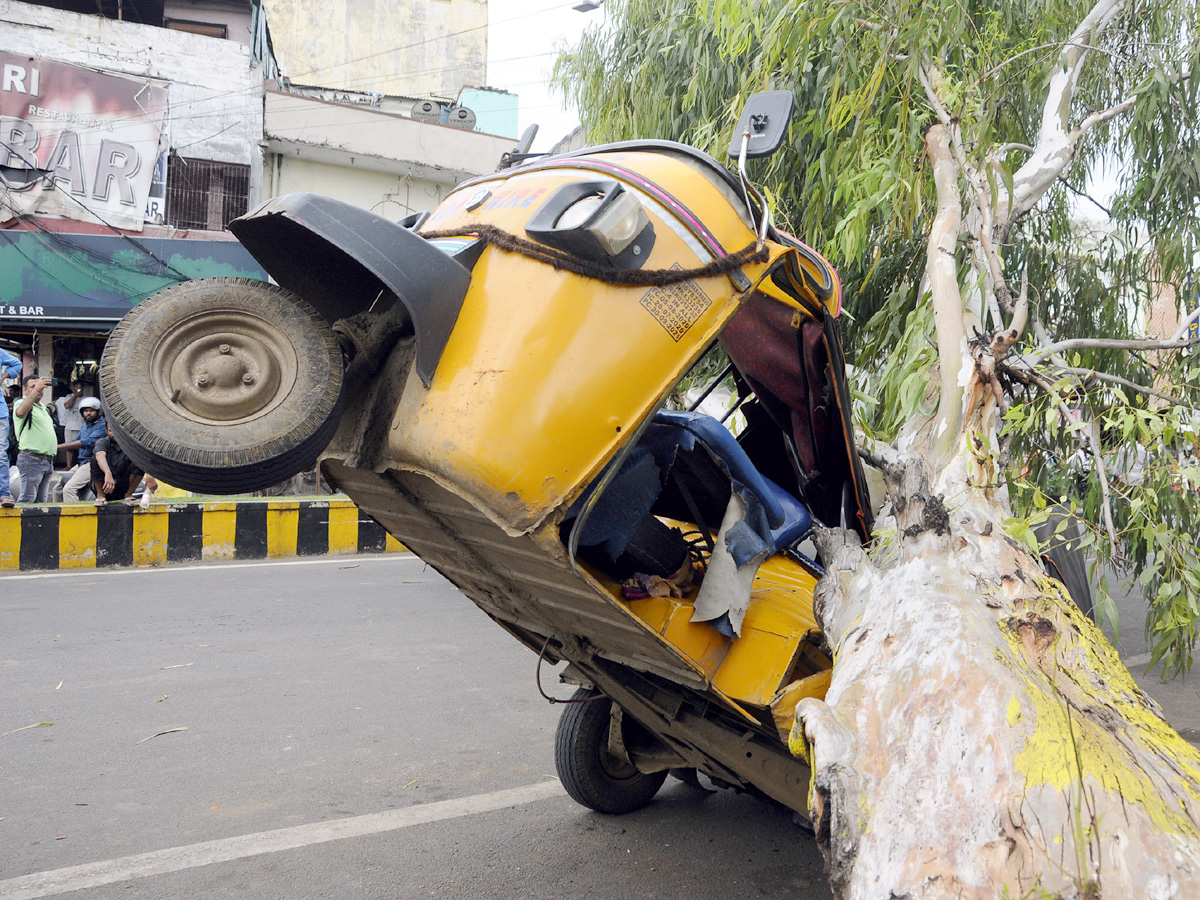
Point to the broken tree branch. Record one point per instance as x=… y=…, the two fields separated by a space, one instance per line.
x=1110 y=344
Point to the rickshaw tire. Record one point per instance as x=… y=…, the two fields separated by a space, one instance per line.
x=591 y=776
x=278 y=345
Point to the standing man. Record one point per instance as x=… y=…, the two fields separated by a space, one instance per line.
x=10 y=367
x=37 y=441
x=69 y=417
x=94 y=428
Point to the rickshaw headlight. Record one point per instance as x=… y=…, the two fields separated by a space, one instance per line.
x=613 y=225
x=597 y=220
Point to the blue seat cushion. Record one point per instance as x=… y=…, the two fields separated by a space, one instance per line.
x=797 y=520
x=774 y=518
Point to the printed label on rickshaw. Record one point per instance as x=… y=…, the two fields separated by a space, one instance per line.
x=676 y=306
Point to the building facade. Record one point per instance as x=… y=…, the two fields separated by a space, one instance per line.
x=133 y=131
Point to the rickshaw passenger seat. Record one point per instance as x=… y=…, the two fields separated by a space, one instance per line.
x=622 y=527
x=789 y=519
x=797 y=520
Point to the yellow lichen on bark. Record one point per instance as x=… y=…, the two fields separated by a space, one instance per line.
x=1094 y=727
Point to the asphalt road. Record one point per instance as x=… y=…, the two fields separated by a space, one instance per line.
x=344 y=728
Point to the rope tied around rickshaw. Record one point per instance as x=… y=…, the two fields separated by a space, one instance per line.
x=754 y=252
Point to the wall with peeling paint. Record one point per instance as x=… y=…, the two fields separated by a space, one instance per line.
x=380 y=161
x=416 y=48
x=215 y=88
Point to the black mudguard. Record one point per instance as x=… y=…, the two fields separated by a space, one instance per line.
x=342 y=259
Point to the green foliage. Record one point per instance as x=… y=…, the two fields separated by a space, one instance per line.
x=1155 y=495
x=853 y=181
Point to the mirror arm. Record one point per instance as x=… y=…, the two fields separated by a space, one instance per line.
x=748 y=189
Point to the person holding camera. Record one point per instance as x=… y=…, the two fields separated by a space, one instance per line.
x=79 y=477
x=37 y=441
x=70 y=417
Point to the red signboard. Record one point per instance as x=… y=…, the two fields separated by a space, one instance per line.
x=76 y=143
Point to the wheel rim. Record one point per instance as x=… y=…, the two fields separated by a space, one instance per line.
x=223 y=367
x=616 y=768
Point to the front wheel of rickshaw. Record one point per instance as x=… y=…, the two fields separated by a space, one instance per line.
x=222 y=385
x=594 y=776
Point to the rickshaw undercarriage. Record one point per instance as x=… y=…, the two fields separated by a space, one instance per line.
x=663 y=694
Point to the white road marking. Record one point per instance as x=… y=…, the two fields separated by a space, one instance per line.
x=348 y=562
x=175 y=859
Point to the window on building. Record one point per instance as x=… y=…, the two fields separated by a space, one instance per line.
x=204 y=194
x=144 y=12
x=208 y=29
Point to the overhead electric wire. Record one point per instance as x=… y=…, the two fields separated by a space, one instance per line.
x=254 y=90
x=54 y=183
x=47 y=237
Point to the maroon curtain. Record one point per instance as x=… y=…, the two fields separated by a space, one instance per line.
x=795 y=367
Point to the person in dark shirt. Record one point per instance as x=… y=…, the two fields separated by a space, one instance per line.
x=114 y=475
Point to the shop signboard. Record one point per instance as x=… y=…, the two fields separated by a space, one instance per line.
x=76 y=143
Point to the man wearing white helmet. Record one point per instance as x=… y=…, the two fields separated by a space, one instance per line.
x=80 y=476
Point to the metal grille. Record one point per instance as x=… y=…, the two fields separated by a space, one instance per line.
x=204 y=194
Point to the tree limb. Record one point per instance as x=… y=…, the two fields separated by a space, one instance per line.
x=1005 y=340
x=1017 y=366
x=1012 y=59
x=1086 y=196
x=1186 y=324
x=1005 y=149
x=1104 y=115
x=942 y=272
x=1109 y=344
x=974 y=179
x=931 y=95
x=1084 y=374
x=881 y=456
x=1055 y=146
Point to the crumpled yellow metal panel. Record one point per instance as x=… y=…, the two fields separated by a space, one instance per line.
x=547 y=372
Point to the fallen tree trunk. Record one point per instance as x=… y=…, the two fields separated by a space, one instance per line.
x=980 y=737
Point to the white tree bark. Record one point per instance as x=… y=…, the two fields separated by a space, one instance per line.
x=980 y=737
x=1056 y=143
x=942 y=271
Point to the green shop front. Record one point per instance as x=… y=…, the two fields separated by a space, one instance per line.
x=62 y=292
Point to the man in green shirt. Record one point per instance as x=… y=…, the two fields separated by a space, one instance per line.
x=37 y=441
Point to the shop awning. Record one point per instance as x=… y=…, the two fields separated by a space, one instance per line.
x=86 y=282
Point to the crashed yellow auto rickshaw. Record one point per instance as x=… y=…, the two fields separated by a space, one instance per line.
x=491 y=383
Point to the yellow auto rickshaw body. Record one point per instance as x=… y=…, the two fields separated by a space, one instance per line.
x=547 y=375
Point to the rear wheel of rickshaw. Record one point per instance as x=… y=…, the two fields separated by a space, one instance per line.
x=222 y=385
x=593 y=775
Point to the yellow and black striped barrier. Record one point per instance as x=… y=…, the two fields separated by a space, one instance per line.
x=84 y=536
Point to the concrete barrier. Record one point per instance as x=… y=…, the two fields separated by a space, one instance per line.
x=83 y=536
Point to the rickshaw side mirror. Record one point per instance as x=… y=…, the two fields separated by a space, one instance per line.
x=765 y=118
